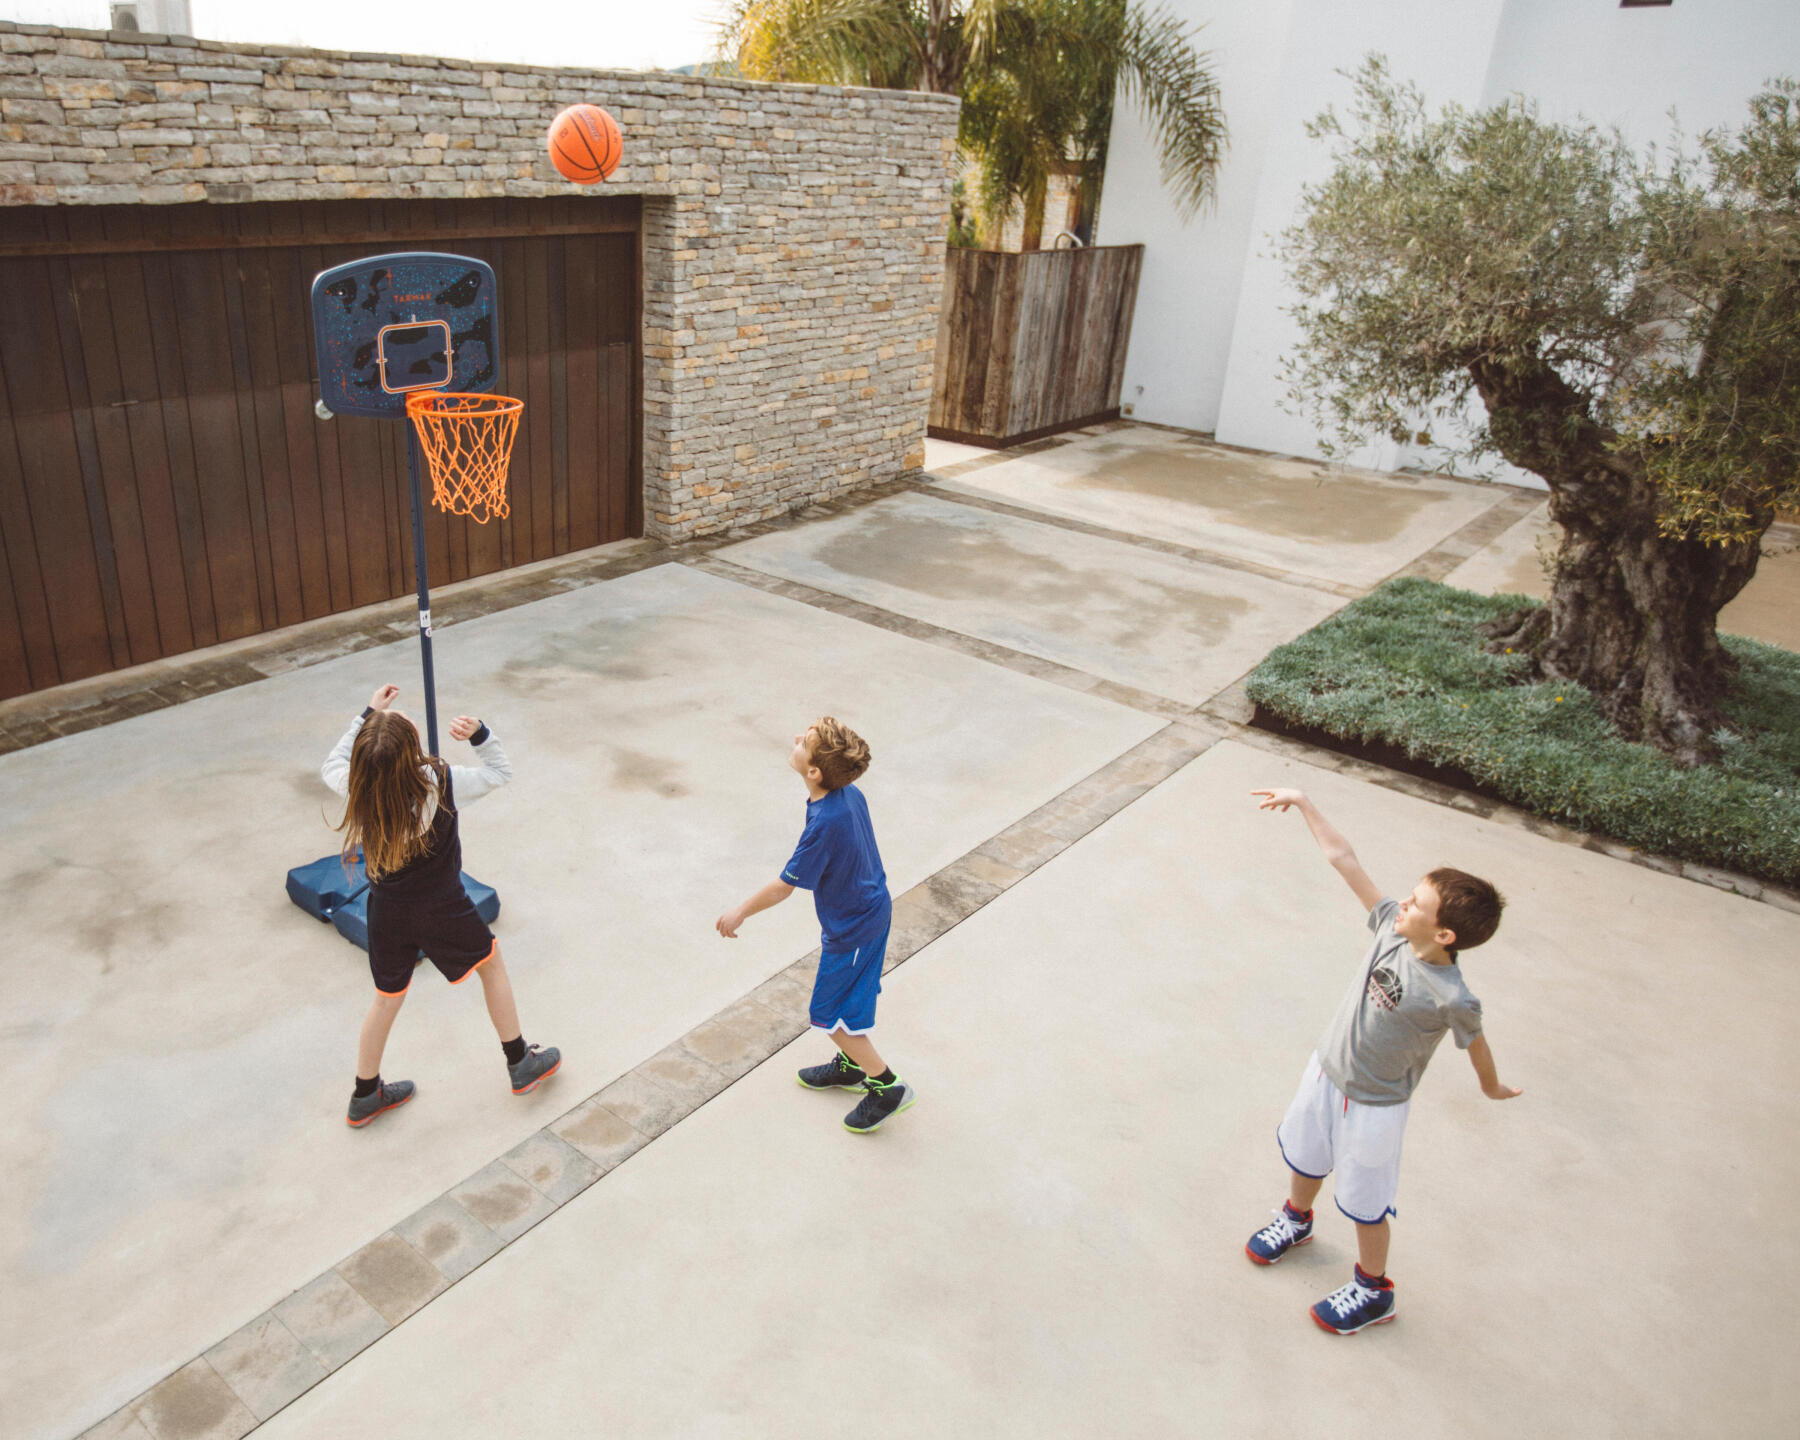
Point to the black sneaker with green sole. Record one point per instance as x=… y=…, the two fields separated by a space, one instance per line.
x=837 y=1073
x=880 y=1103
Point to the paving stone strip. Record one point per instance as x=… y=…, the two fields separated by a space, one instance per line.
x=1513 y=505
x=261 y=1368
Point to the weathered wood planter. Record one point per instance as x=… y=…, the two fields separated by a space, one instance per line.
x=1031 y=344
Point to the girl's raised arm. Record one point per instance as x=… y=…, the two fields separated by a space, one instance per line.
x=495 y=770
x=335 y=772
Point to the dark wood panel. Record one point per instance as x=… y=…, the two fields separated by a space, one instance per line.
x=15 y=667
x=100 y=385
x=164 y=482
x=50 y=472
x=540 y=414
x=256 y=481
x=557 y=385
x=210 y=385
x=32 y=641
x=1029 y=344
x=140 y=400
x=265 y=415
x=178 y=432
x=298 y=427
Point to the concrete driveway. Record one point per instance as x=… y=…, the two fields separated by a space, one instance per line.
x=1111 y=971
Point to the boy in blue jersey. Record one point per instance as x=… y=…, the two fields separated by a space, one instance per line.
x=837 y=860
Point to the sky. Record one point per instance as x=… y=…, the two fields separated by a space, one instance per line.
x=585 y=34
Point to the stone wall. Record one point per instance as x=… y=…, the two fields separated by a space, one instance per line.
x=793 y=235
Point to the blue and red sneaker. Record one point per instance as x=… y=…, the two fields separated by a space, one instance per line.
x=1291 y=1227
x=1367 y=1300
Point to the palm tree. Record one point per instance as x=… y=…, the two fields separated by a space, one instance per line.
x=1037 y=79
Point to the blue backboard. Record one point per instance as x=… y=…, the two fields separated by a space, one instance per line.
x=391 y=324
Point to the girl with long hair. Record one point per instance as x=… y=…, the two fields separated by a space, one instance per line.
x=401 y=814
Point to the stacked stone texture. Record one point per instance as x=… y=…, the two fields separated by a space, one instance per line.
x=793 y=235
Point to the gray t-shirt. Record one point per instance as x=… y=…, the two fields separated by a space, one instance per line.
x=1378 y=1046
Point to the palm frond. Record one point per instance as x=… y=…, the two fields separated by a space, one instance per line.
x=824 y=42
x=1168 y=79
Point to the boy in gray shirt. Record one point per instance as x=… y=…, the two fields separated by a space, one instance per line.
x=1349 y=1114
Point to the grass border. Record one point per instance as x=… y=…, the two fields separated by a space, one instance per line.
x=1400 y=677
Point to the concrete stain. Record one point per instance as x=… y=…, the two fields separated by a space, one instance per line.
x=599 y=1128
x=655 y=774
x=1290 y=501
x=928 y=554
x=624 y=649
x=439 y=1239
x=189 y=1404
x=133 y=914
x=498 y=1204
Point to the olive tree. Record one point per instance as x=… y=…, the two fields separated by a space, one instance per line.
x=1630 y=323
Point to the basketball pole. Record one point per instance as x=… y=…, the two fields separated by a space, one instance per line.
x=418 y=527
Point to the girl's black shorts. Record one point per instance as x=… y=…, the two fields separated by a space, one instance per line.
x=454 y=938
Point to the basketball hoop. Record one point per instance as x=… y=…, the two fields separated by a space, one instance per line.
x=467 y=441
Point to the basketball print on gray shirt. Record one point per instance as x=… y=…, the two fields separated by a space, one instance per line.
x=1385 y=988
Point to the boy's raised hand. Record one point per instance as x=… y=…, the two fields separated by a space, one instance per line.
x=1279 y=799
x=463 y=726
x=384 y=696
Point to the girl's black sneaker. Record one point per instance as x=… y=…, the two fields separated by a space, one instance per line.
x=364 y=1108
x=538 y=1066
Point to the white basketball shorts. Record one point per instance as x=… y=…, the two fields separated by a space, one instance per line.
x=1324 y=1131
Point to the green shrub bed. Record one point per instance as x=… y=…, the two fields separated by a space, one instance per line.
x=1403 y=671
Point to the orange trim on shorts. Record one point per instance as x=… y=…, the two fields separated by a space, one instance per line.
x=391 y=993
x=493 y=950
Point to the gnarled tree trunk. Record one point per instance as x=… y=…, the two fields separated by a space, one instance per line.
x=1633 y=613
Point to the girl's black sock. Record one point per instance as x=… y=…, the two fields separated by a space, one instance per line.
x=886 y=1077
x=515 y=1049
x=367 y=1087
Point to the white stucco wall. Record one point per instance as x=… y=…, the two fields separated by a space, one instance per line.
x=1627 y=68
x=1181 y=340
x=1449 y=62
x=1210 y=328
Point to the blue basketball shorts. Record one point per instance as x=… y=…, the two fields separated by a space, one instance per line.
x=844 y=993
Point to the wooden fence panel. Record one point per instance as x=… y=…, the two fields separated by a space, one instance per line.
x=1031 y=344
x=164 y=482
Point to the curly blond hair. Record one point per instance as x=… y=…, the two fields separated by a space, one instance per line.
x=840 y=754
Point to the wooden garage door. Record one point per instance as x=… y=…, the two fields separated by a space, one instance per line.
x=164 y=482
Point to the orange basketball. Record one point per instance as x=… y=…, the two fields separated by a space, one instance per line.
x=585 y=144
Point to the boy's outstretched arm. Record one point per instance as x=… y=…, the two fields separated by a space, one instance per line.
x=1335 y=848
x=771 y=894
x=1482 y=1059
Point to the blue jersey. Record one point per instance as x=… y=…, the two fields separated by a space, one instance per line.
x=837 y=860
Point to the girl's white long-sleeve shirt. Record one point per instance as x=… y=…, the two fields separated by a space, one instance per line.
x=470 y=782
